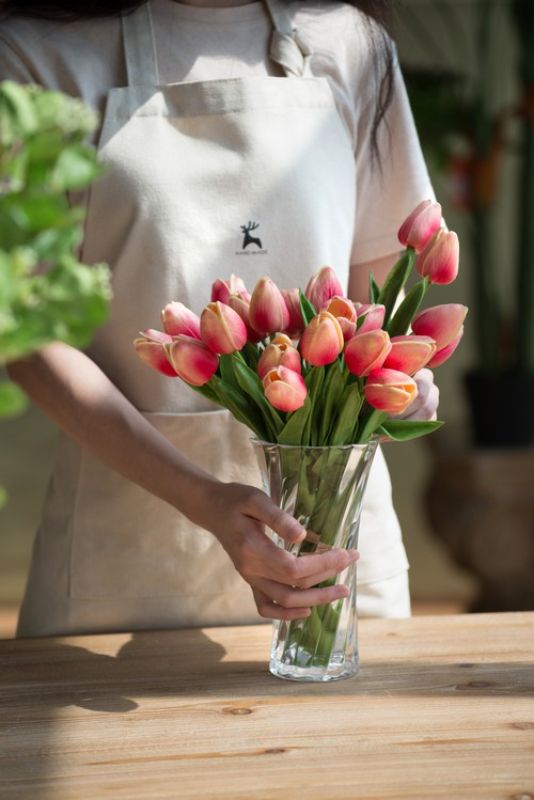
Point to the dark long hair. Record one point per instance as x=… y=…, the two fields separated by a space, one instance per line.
x=378 y=14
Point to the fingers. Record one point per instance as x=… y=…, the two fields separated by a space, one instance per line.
x=266 y=608
x=289 y=597
x=262 y=508
x=304 y=570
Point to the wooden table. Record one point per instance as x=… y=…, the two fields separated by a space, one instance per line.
x=443 y=708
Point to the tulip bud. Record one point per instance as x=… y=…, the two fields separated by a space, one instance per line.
x=419 y=227
x=439 y=260
x=366 y=352
x=268 y=311
x=390 y=391
x=276 y=355
x=441 y=323
x=446 y=352
x=296 y=323
x=370 y=316
x=177 y=319
x=409 y=354
x=150 y=347
x=344 y=311
x=221 y=290
x=322 y=287
x=222 y=329
x=242 y=307
x=193 y=361
x=322 y=340
x=284 y=389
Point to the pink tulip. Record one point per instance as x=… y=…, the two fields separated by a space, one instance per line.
x=366 y=352
x=222 y=329
x=390 y=391
x=284 y=389
x=343 y=310
x=279 y=354
x=411 y=353
x=193 y=361
x=322 y=287
x=372 y=314
x=296 y=323
x=441 y=323
x=446 y=352
x=177 y=318
x=322 y=340
x=150 y=347
x=221 y=290
x=268 y=310
x=241 y=306
x=440 y=259
x=419 y=227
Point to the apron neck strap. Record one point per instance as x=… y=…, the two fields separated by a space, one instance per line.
x=286 y=47
x=140 y=47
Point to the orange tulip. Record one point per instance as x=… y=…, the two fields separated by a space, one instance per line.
x=222 y=329
x=344 y=311
x=268 y=310
x=410 y=353
x=150 y=347
x=322 y=340
x=284 y=389
x=322 y=287
x=367 y=351
x=390 y=391
x=193 y=361
x=279 y=354
x=177 y=318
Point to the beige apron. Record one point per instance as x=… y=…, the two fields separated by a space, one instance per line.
x=189 y=165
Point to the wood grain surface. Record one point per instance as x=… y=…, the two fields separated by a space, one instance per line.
x=443 y=707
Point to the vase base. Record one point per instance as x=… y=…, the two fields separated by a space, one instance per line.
x=289 y=672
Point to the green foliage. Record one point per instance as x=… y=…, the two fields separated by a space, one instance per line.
x=46 y=294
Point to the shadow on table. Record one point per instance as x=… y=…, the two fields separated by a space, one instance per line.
x=189 y=663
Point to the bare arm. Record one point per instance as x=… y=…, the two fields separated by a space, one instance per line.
x=358 y=289
x=79 y=397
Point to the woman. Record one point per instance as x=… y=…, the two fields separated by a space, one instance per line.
x=213 y=117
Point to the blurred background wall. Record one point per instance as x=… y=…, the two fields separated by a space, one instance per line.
x=430 y=34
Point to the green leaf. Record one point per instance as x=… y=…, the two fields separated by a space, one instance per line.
x=306 y=308
x=395 y=282
x=3 y=497
x=314 y=381
x=345 y=424
x=333 y=390
x=292 y=431
x=75 y=168
x=13 y=401
x=402 y=430
x=238 y=405
x=374 y=290
x=407 y=310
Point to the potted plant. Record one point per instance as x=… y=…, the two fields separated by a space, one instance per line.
x=479 y=497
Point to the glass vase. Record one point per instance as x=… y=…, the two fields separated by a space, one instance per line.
x=323 y=488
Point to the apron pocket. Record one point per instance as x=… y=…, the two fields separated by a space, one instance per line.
x=128 y=543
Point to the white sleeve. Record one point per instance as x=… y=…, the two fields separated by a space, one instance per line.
x=385 y=195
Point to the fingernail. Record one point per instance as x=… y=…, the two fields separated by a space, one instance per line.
x=344 y=591
x=353 y=556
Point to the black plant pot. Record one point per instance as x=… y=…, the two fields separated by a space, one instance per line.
x=502 y=408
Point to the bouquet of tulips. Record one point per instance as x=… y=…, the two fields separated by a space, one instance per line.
x=314 y=367
x=316 y=372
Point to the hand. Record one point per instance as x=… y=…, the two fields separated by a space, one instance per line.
x=425 y=405
x=236 y=514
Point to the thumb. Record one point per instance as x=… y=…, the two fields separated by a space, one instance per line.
x=263 y=509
